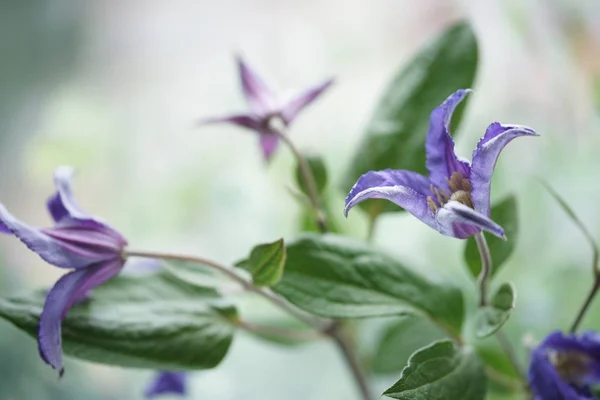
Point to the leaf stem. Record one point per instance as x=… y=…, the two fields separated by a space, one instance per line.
x=330 y=328
x=309 y=181
x=247 y=285
x=586 y=305
x=483 y=281
x=293 y=334
x=486 y=268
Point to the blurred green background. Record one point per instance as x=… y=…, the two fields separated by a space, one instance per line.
x=114 y=88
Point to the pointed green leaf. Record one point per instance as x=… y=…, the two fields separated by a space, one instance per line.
x=491 y=317
x=505 y=214
x=401 y=339
x=144 y=321
x=441 y=371
x=265 y=263
x=395 y=135
x=318 y=170
x=335 y=276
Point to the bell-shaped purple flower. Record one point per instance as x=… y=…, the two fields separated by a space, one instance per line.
x=77 y=241
x=167 y=383
x=268 y=110
x=455 y=198
x=563 y=367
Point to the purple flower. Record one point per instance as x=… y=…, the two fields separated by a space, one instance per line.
x=77 y=241
x=166 y=382
x=267 y=110
x=564 y=366
x=455 y=199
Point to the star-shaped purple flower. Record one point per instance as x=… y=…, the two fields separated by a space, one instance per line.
x=267 y=109
x=455 y=198
x=564 y=366
x=77 y=241
x=167 y=383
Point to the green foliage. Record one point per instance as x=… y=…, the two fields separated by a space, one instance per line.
x=401 y=339
x=395 y=135
x=441 y=371
x=491 y=317
x=265 y=263
x=338 y=277
x=145 y=321
x=505 y=214
x=319 y=172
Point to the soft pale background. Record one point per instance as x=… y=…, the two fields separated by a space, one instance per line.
x=114 y=88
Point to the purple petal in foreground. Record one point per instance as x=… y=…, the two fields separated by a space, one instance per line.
x=294 y=106
x=260 y=98
x=167 y=382
x=484 y=160
x=407 y=189
x=69 y=289
x=454 y=213
x=439 y=146
x=50 y=250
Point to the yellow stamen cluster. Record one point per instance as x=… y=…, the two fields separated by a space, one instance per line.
x=572 y=366
x=460 y=190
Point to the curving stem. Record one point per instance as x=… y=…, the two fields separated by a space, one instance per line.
x=486 y=268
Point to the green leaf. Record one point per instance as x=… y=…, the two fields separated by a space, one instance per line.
x=441 y=371
x=395 y=135
x=142 y=321
x=401 y=339
x=339 y=277
x=491 y=317
x=505 y=214
x=265 y=263
x=319 y=172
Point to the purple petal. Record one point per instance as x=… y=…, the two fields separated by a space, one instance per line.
x=454 y=213
x=247 y=121
x=62 y=204
x=268 y=144
x=51 y=250
x=69 y=289
x=407 y=189
x=545 y=381
x=294 y=106
x=259 y=96
x=484 y=160
x=441 y=159
x=167 y=382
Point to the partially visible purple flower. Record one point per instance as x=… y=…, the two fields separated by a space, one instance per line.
x=267 y=109
x=167 y=383
x=564 y=366
x=77 y=241
x=455 y=198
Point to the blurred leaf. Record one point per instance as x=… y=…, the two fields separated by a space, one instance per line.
x=491 y=318
x=265 y=263
x=338 y=277
x=401 y=339
x=441 y=371
x=505 y=214
x=395 y=135
x=146 y=321
x=319 y=172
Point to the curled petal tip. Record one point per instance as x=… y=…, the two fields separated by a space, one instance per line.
x=61 y=372
x=503 y=237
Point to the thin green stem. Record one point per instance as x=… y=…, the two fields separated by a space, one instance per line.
x=247 y=285
x=483 y=282
x=330 y=328
x=586 y=305
x=486 y=268
x=309 y=181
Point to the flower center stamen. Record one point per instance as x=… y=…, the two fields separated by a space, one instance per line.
x=460 y=190
x=572 y=366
